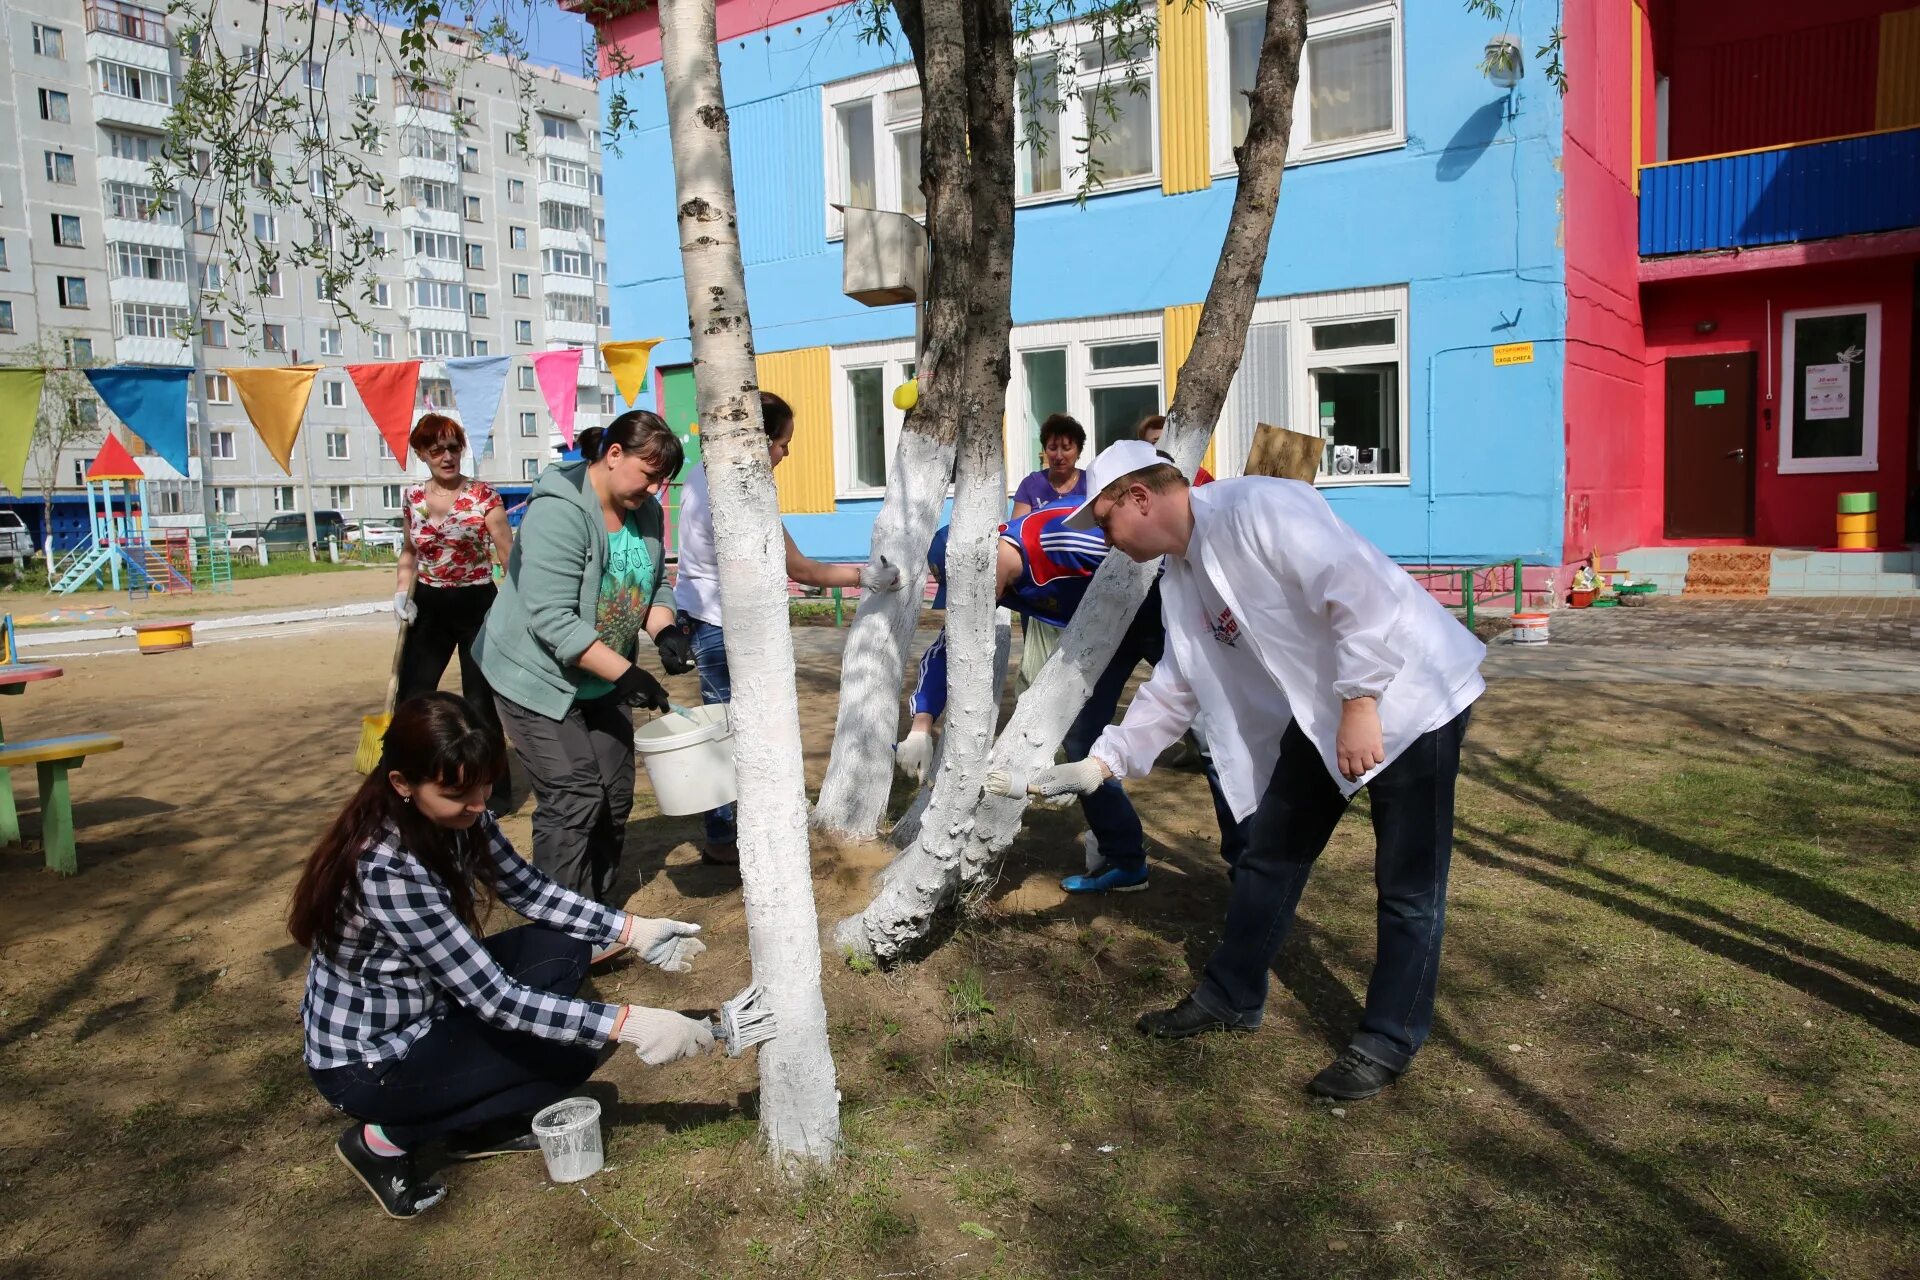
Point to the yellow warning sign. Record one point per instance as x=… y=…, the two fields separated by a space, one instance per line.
x=1513 y=353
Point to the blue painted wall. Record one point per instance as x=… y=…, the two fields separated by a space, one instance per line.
x=1466 y=215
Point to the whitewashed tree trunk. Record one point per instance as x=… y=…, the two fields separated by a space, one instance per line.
x=906 y=828
x=924 y=878
x=799 y=1105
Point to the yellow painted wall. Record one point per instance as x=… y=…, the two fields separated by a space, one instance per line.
x=1177 y=328
x=1897 y=91
x=1184 y=162
x=804 y=379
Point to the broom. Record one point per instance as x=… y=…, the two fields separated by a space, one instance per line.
x=373 y=729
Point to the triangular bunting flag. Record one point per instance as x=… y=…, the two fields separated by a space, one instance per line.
x=113 y=462
x=19 y=408
x=558 y=373
x=153 y=404
x=276 y=402
x=477 y=383
x=627 y=362
x=388 y=391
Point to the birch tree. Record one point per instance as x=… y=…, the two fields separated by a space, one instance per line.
x=957 y=854
x=799 y=1106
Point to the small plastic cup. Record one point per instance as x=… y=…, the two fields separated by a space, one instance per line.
x=569 y=1134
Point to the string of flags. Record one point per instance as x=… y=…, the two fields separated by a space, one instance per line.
x=152 y=402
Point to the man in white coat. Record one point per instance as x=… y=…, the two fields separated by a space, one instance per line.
x=1315 y=666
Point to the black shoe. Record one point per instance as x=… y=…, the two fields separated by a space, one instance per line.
x=475 y=1147
x=1351 y=1077
x=392 y=1180
x=1185 y=1019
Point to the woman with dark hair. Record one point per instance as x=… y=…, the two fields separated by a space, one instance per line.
x=451 y=528
x=1061 y=441
x=437 y=1040
x=698 y=595
x=585 y=579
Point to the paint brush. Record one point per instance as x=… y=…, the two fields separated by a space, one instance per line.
x=745 y=1021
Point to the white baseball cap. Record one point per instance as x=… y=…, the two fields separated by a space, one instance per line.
x=1115 y=461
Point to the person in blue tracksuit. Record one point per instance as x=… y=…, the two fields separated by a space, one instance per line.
x=1042 y=573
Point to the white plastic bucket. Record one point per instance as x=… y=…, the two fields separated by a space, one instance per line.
x=1530 y=628
x=569 y=1134
x=689 y=758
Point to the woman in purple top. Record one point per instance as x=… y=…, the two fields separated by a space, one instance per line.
x=1061 y=440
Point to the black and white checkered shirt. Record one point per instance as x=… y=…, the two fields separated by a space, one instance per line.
x=406 y=953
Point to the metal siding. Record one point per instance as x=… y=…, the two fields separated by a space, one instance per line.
x=1184 y=162
x=1897 y=90
x=779 y=177
x=1177 y=328
x=1847 y=187
x=804 y=379
x=1791 y=86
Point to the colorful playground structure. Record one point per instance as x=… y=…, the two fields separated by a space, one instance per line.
x=121 y=544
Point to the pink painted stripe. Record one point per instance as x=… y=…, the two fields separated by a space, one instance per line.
x=1846 y=249
x=638 y=34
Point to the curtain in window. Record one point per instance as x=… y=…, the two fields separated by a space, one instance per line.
x=1351 y=79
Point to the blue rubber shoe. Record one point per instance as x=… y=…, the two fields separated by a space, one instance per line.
x=1109 y=879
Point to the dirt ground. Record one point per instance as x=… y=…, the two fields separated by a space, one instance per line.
x=1002 y=1117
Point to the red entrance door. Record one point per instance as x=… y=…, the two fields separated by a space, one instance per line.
x=1710 y=446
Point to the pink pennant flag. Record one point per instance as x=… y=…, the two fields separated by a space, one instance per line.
x=559 y=375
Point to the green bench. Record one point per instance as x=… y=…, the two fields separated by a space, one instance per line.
x=53 y=758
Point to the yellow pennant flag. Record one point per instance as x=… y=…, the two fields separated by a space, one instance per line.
x=19 y=408
x=276 y=401
x=627 y=361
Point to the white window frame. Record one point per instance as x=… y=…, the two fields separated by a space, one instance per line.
x=382 y=344
x=1868 y=459
x=333 y=395
x=1060 y=42
x=221 y=445
x=891 y=358
x=336 y=491
x=530 y=468
x=1300 y=148
x=390 y=496
x=529 y=425
x=337 y=444
x=886 y=159
x=284 y=499
x=218 y=387
x=1077 y=338
x=331 y=342
x=226 y=499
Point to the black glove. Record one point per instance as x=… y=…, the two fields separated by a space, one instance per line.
x=676 y=649
x=638 y=688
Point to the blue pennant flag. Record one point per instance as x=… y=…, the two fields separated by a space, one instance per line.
x=477 y=382
x=153 y=404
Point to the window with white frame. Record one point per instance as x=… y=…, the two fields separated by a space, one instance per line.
x=872 y=129
x=340 y=496
x=524 y=373
x=219 y=389
x=1077 y=92
x=529 y=425
x=1105 y=373
x=330 y=341
x=479 y=347
x=1349 y=99
x=529 y=468
x=382 y=344
x=1830 y=387
x=333 y=394
x=283 y=498
x=226 y=500
x=867 y=425
x=220 y=444
x=390 y=496
x=337 y=444
x=266 y=228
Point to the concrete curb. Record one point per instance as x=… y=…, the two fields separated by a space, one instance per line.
x=42 y=639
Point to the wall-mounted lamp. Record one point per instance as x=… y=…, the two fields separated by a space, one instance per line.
x=1705 y=327
x=1503 y=64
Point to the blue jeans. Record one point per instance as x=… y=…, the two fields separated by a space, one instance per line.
x=716 y=685
x=1413 y=833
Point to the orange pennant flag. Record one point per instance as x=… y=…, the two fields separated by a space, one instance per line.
x=388 y=391
x=276 y=402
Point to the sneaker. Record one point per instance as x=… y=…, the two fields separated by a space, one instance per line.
x=483 y=1149
x=1113 y=879
x=392 y=1180
x=1185 y=1019
x=1351 y=1077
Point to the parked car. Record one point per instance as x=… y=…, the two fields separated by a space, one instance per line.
x=288 y=531
x=375 y=533
x=16 y=544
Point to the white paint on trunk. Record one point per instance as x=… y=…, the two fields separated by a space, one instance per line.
x=906 y=828
x=853 y=796
x=799 y=1105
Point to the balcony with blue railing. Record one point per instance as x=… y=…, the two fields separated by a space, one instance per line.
x=1782 y=195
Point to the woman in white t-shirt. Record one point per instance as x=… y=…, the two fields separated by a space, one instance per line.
x=697 y=595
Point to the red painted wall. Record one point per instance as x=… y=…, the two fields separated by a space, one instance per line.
x=1792 y=510
x=1612 y=453
x=637 y=35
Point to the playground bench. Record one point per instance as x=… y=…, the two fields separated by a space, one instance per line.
x=53 y=758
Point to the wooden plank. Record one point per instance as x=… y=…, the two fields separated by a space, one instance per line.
x=1290 y=455
x=41 y=750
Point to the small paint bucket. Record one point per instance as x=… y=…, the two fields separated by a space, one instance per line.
x=163 y=637
x=569 y=1135
x=1530 y=628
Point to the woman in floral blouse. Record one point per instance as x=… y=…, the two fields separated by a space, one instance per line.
x=452 y=528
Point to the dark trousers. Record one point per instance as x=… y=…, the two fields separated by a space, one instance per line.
x=1413 y=831
x=716 y=685
x=448 y=619
x=582 y=771
x=1109 y=813
x=465 y=1074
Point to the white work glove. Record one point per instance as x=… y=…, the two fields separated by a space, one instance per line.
x=881 y=575
x=404 y=609
x=661 y=1036
x=665 y=944
x=914 y=753
x=1055 y=787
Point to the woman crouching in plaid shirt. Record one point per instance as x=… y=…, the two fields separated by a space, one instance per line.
x=436 y=1039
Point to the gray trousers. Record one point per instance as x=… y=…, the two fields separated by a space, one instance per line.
x=582 y=772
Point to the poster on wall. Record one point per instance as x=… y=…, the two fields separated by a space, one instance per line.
x=1829 y=392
